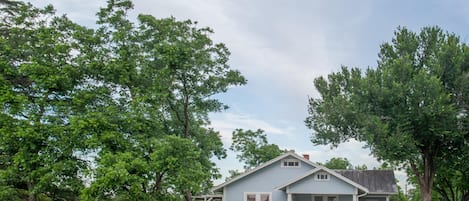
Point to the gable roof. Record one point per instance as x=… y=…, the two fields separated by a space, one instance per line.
x=250 y=171
x=377 y=181
x=332 y=172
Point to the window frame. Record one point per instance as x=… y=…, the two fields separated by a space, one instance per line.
x=258 y=195
x=288 y=161
x=324 y=197
x=325 y=174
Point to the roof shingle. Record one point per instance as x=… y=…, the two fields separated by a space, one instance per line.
x=377 y=181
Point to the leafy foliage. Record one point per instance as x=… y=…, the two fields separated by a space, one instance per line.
x=253 y=147
x=131 y=98
x=411 y=110
x=40 y=74
x=339 y=163
x=159 y=76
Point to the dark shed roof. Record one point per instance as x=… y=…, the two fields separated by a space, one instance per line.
x=377 y=181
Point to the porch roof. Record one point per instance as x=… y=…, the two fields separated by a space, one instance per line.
x=377 y=181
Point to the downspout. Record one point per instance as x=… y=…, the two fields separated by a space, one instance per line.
x=359 y=196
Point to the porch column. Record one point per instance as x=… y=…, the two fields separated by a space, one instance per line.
x=355 y=198
x=289 y=197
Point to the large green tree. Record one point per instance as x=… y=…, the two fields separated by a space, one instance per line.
x=338 y=163
x=150 y=80
x=40 y=76
x=411 y=109
x=130 y=97
x=253 y=148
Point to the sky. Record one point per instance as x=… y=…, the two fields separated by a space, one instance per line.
x=281 y=46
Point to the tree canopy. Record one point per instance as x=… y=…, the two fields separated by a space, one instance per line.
x=411 y=109
x=338 y=163
x=253 y=148
x=40 y=78
x=123 y=107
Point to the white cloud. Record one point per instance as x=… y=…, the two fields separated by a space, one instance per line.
x=280 y=46
x=227 y=122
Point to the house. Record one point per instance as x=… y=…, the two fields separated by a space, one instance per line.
x=291 y=177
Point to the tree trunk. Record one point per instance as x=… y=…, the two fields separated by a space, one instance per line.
x=426 y=179
x=186 y=117
x=426 y=193
x=32 y=195
x=188 y=196
x=465 y=196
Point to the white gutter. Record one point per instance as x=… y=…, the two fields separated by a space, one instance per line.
x=364 y=194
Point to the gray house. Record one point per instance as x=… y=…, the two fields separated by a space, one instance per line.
x=291 y=177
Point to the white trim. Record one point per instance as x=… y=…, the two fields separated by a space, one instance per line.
x=224 y=194
x=245 y=196
x=288 y=160
x=324 y=196
x=248 y=172
x=327 y=177
x=258 y=195
x=382 y=193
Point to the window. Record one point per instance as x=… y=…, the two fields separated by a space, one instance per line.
x=326 y=198
x=322 y=176
x=291 y=163
x=264 y=196
x=332 y=199
x=250 y=197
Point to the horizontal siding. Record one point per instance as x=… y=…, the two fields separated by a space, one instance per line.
x=265 y=180
x=334 y=186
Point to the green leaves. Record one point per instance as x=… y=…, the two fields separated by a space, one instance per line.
x=253 y=148
x=404 y=109
x=339 y=163
x=125 y=105
x=39 y=74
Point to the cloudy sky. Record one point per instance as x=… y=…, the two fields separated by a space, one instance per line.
x=280 y=46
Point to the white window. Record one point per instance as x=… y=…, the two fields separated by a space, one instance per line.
x=291 y=163
x=322 y=176
x=250 y=197
x=258 y=196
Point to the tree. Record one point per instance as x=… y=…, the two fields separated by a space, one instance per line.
x=338 y=163
x=253 y=147
x=342 y=163
x=40 y=76
x=450 y=183
x=148 y=81
x=9 y=6
x=360 y=167
x=130 y=177
x=233 y=174
x=410 y=109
